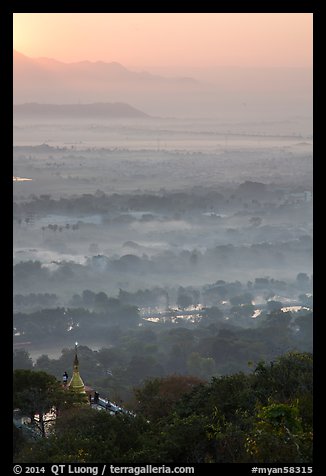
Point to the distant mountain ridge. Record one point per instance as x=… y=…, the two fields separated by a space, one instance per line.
x=103 y=110
x=89 y=70
x=240 y=94
x=45 y=80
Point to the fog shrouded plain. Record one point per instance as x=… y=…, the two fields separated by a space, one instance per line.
x=135 y=219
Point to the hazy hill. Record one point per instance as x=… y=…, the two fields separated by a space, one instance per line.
x=235 y=93
x=48 y=81
x=102 y=110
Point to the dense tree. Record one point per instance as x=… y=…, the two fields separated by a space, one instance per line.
x=302 y=279
x=87 y=436
x=212 y=314
x=157 y=397
x=183 y=440
x=278 y=436
x=26 y=270
x=245 y=298
x=22 y=359
x=285 y=378
x=184 y=299
x=263 y=417
x=274 y=305
x=39 y=393
x=228 y=436
x=304 y=323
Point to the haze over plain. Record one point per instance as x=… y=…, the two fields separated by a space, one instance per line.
x=207 y=186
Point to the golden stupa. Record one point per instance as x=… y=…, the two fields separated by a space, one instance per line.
x=76 y=383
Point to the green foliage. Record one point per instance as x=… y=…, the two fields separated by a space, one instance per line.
x=229 y=436
x=36 y=392
x=184 y=440
x=157 y=398
x=264 y=417
x=38 y=382
x=85 y=435
x=278 y=436
x=288 y=377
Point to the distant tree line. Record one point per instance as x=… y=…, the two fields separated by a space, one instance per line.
x=103 y=203
x=131 y=352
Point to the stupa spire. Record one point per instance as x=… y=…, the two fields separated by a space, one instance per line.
x=76 y=383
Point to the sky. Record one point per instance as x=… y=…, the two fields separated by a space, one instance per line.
x=168 y=40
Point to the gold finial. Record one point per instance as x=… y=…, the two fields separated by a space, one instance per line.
x=76 y=382
x=76 y=363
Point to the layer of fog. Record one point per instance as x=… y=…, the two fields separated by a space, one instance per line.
x=134 y=204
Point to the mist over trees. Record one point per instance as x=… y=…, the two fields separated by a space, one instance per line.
x=91 y=266
x=178 y=254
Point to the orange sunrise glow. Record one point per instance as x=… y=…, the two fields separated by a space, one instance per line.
x=150 y=40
